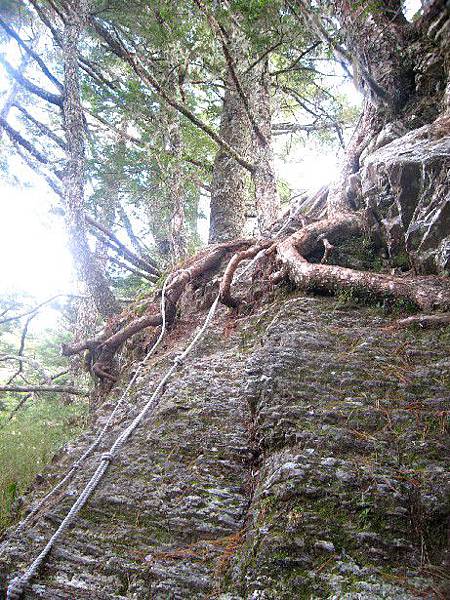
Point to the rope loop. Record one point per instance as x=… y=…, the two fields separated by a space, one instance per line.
x=107 y=457
x=178 y=361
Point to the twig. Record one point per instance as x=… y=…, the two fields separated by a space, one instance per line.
x=44 y=388
x=39 y=306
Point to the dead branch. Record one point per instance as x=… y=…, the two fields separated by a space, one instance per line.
x=42 y=127
x=13 y=34
x=36 y=308
x=424 y=321
x=126 y=267
x=328 y=249
x=25 y=398
x=18 y=138
x=148 y=265
x=29 y=361
x=29 y=85
x=23 y=337
x=60 y=389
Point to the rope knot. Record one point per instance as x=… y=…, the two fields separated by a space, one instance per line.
x=107 y=457
x=178 y=360
x=16 y=588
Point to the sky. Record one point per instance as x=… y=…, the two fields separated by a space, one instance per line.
x=35 y=258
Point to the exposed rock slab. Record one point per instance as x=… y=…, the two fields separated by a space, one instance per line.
x=302 y=453
x=407 y=181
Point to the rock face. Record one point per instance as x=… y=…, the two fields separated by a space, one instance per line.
x=302 y=452
x=407 y=182
x=397 y=162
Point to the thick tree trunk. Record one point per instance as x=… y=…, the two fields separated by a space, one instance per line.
x=229 y=188
x=266 y=195
x=246 y=125
x=397 y=161
x=74 y=178
x=177 y=234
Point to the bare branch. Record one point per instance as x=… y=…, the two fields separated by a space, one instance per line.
x=16 y=137
x=42 y=127
x=38 y=307
x=297 y=60
x=31 y=53
x=30 y=361
x=148 y=265
x=60 y=389
x=123 y=265
x=29 y=85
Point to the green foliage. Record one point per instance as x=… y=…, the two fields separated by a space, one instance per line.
x=28 y=442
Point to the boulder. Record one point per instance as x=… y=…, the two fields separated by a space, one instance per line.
x=407 y=183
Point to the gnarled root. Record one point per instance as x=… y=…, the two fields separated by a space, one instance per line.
x=227 y=279
x=319 y=277
x=104 y=346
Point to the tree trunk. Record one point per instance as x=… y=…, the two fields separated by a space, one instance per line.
x=266 y=195
x=397 y=161
x=74 y=178
x=229 y=188
x=177 y=234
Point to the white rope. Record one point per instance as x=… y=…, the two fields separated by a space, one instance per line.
x=17 y=585
x=35 y=565
x=102 y=433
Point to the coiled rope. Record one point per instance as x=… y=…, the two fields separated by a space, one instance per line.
x=18 y=584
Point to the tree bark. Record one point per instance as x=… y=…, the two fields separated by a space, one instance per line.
x=230 y=182
x=396 y=52
x=177 y=233
x=266 y=194
x=74 y=178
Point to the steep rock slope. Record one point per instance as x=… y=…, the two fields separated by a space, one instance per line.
x=302 y=452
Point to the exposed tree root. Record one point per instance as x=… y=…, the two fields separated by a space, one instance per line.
x=309 y=239
x=292 y=254
x=330 y=278
x=227 y=279
x=103 y=347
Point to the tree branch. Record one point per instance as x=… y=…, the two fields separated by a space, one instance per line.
x=148 y=265
x=30 y=361
x=16 y=137
x=29 y=85
x=297 y=60
x=31 y=53
x=61 y=389
x=38 y=307
x=123 y=265
x=119 y=49
x=42 y=127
